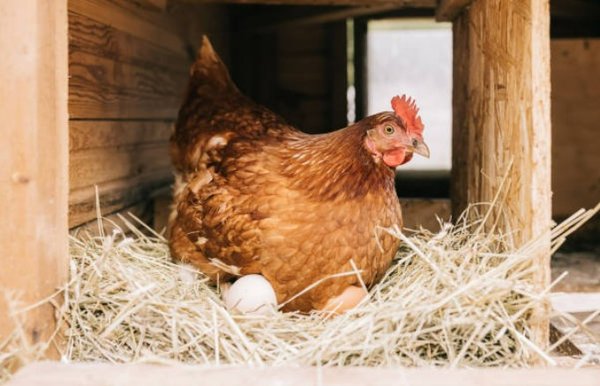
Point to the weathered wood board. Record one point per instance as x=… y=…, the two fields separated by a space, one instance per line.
x=45 y=373
x=575 y=118
x=33 y=161
x=501 y=123
x=128 y=68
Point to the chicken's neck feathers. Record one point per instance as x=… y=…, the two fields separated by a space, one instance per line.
x=335 y=165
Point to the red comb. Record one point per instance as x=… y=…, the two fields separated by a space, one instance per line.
x=407 y=110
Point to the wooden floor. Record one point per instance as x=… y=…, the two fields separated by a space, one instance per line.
x=579 y=293
x=583 y=268
x=54 y=373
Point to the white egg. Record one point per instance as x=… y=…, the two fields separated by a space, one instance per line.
x=250 y=294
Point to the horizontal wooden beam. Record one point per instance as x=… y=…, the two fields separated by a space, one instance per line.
x=269 y=20
x=86 y=135
x=93 y=166
x=574 y=302
x=575 y=9
x=87 y=35
x=115 y=195
x=134 y=19
x=54 y=373
x=447 y=10
x=161 y=5
x=329 y=17
x=139 y=163
x=397 y=3
x=105 y=88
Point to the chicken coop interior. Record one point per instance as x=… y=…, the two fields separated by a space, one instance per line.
x=123 y=66
x=318 y=67
x=311 y=65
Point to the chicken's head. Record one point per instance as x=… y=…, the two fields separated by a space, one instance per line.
x=395 y=137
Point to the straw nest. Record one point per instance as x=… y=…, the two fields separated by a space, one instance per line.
x=460 y=297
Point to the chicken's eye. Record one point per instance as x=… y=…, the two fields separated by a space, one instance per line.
x=388 y=130
x=415 y=142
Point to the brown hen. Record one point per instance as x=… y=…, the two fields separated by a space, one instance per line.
x=254 y=195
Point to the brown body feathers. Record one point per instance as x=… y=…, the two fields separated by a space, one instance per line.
x=257 y=195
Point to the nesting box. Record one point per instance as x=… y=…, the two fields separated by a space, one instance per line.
x=90 y=89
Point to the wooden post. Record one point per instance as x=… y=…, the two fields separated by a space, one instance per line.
x=502 y=115
x=33 y=160
x=360 y=68
x=337 y=58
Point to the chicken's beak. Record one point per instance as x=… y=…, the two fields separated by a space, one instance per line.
x=421 y=149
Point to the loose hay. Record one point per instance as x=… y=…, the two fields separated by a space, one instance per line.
x=459 y=297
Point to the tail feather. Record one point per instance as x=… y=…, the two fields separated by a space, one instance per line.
x=209 y=89
x=209 y=72
x=214 y=111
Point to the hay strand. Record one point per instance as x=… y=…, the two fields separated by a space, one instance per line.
x=459 y=297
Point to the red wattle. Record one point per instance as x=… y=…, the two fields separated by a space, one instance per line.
x=394 y=157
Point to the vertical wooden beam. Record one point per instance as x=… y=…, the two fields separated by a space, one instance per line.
x=502 y=116
x=34 y=156
x=360 y=67
x=461 y=148
x=266 y=69
x=337 y=62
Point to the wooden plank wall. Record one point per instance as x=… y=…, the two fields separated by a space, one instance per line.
x=575 y=117
x=311 y=76
x=501 y=115
x=297 y=71
x=302 y=78
x=128 y=66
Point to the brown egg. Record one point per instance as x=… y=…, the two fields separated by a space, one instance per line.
x=346 y=300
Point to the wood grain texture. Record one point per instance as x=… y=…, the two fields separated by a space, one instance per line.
x=85 y=135
x=124 y=16
x=448 y=10
x=397 y=3
x=502 y=117
x=115 y=195
x=461 y=148
x=101 y=87
x=575 y=117
x=33 y=160
x=87 y=168
x=104 y=40
x=324 y=17
x=128 y=66
x=47 y=373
